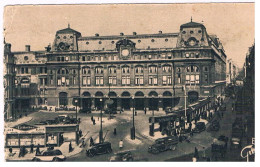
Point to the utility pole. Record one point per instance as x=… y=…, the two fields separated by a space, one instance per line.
x=133 y=128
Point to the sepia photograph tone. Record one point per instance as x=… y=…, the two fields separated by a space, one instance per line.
x=129 y=82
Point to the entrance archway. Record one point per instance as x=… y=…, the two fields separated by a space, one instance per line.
x=63 y=99
x=86 y=100
x=139 y=100
x=126 y=100
x=153 y=100
x=113 y=96
x=99 y=101
x=193 y=96
x=167 y=99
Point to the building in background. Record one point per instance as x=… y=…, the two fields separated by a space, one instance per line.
x=232 y=72
x=152 y=71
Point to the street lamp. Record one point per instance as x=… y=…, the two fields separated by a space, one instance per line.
x=101 y=131
x=76 y=102
x=153 y=102
x=133 y=128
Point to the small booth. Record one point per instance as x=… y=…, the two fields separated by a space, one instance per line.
x=24 y=135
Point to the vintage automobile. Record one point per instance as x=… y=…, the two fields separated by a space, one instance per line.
x=219 y=147
x=164 y=144
x=110 y=111
x=214 y=126
x=122 y=156
x=99 y=148
x=85 y=110
x=50 y=155
x=199 y=127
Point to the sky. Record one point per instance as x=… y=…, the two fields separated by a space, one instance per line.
x=36 y=25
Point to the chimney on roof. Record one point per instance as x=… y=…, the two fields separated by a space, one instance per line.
x=160 y=32
x=134 y=33
x=97 y=35
x=27 y=48
x=121 y=34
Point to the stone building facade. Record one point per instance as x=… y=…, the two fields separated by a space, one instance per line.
x=152 y=71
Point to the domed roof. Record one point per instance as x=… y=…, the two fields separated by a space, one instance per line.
x=191 y=24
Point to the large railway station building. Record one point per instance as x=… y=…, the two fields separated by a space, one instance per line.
x=152 y=71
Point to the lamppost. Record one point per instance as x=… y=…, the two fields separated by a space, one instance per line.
x=101 y=131
x=153 y=102
x=133 y=128
x=76 y=102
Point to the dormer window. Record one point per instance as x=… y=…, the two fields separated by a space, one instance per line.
x=199 y=31
x=166 y=40
x=58 y=37
x=152 y=40
x=71 y=37
x=87 y=43
x=187 y=55
x=100 y=42
x=25 y=58
x=183 y=32
x=191 y=32
x=139 y=41
x=64 y=37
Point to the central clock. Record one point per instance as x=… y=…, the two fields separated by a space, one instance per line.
x=125 y=52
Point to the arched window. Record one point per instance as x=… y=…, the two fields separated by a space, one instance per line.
x=86 y=70
x=167 y=68
x=99 y=70
x=62 y=77
x=63 y=71
x=112 y=70
x=152 y=69
x=139 y=75
x=125 y=69
x=63 y=98
x=192 y=75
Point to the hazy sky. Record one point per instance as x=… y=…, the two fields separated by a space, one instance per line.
x=36 y=25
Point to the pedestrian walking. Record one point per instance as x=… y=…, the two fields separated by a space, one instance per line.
x=80 y=133
x=114 y=131
x=145 y=111
x=70 y=147
x=222 y=114
x=91 y=141
x=31 y=146
x=196 y=153
x=135 y=113
x=94 y=122
x=92 y=118
x=121 y=144
x=38 y=150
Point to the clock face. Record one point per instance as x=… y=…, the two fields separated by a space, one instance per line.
x=125 y=52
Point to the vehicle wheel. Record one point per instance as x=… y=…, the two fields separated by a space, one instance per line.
x=90 y=154
x=36 y=159
x=109 y=150
x=173 y=148
x=130 y=159
x=55 y=159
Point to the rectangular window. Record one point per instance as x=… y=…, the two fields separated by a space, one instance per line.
x=125 y=80
x=99 y=80
x=83 y=58
x=58 y=58
x=206 y=78
x=112 y=80
x=179 y=78
x=67 y=58
x=41 y=81
x=84 y=81
x=59 y=82
x=22 y=70
x=62 y=58
x=51 y=80
x=67 y=82
x=169 y=80
x=164 y=80
x=153 y=80
x=74 y=80
x=26 y=70
x=41 y=70
x=45 y=81
x=88 y=81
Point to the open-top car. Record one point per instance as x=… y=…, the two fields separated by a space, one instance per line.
x=122 y=156
x=50 y=155
x=99 y=148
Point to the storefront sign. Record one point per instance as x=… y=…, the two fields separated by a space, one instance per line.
x=162 y=119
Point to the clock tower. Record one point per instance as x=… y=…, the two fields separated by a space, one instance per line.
x=66 y=40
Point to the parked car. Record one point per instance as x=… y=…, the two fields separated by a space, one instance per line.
x=50 y=155
x=110 y=111
x=99 y=148
x=214 y=126
x=122 y=156
x=85 y=110
x=219 y=147
x=199 y=127
x=164 y=144
x=41 y=123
